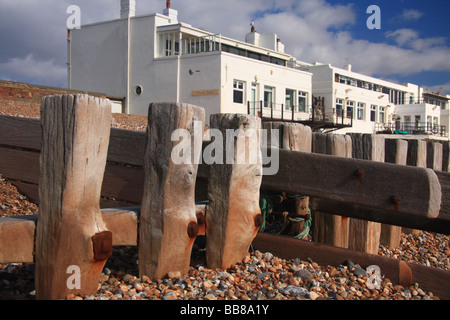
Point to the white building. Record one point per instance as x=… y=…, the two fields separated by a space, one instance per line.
x=156 y=58
x=362 y=100
x=428 y=115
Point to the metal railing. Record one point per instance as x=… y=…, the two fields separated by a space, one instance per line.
x=305 y=113
x=426 y=128
x=278 y=111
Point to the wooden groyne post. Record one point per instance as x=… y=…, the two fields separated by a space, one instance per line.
x=168 y=221
x=234 y=216
x=72 y=241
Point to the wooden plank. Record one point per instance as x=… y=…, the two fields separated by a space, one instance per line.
x=123 y=223
x=201 y=93
x=364 y=235
x=17 y=234
x=123 y=183
x=417 y=153
x=71 y=235
x=234 y=216
x=298 y=137
x=120 y=182
x=329 y=228
x=13 y=162
x=430 y=279
x=203 y=175
x=434 y=155
x=440 y=225
x=446 y=156
x=444 y=180
x=127 y=147
x=417 y=156
x=20 y=132
x=17 y=239
x=398 y=271
x=168 y=221
x=396 y=151
x=335 y=179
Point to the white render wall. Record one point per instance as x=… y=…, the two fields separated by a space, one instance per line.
x=144 y=70
x=250 y=71
x=424 y=110
x=98 y=58
x=199 y=80
x=324 y=85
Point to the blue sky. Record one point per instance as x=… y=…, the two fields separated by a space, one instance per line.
x=412 y=45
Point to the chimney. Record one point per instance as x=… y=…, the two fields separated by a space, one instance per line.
x=171 y=13
x=127 y=9
x=348 y=67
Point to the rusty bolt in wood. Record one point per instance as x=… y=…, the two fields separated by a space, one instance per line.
x=102 y=243
x=201 y=219
x=395 y=199
x=359 y=173
x=259 y=220
x=192 y=229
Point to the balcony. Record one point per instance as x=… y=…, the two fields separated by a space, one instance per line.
x=419 y=128
x=313 y=116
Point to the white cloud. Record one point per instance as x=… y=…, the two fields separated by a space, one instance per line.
x=312 y=30
x=34 y=70
x=411 y=15
x=410 y=38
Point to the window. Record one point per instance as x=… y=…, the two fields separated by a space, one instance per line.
x=138 y=90
x=302 y=99
x=360 y=111
x=350 y=108
x=373 y=113
x=417 y=122
x=238 y=91
x=268 y=96
x=169 y=44
x=339 y=107
x=290 y=99
x=382 y=114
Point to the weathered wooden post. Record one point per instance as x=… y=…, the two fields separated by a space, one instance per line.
x=331 y=229
x=234 y=215
x=364 y=235
x=446 y=156
x=168 y=222
x=396 y=151
x=417 y=156
x=72 y=241
x=293 y=137
x=435 y=155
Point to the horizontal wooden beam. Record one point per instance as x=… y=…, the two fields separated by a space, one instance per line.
x=17 y=234
x=390 y=190
x=399 y=272
x=123 y=223
x=330 y=181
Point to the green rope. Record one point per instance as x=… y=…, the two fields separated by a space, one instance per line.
x=266 y=205
x=307 y=226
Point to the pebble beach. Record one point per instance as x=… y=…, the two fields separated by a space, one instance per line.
x=260 y=276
